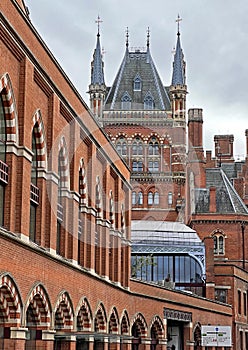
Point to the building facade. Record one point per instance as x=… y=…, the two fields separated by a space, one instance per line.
x=65 y=232
x=174 y=180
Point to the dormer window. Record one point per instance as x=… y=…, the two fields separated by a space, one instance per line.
x=148 y=101
x=126 y=101
x=137 y=83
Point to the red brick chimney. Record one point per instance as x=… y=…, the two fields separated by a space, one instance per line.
x=224 y=148
x=212 y=200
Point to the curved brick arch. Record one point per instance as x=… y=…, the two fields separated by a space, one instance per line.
x=64 y=312
x=38 y=304
x=157 y=328
x=113 y=324
x=82 y=183
x=64 y=164
x=84 y=316
x=10 y=110
x=139 y=323
x=100 y=321
x=10 y=301
x=125 y=324
x=38 y=129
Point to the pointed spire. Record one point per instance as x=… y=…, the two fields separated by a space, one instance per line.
x=178 y=76
x=127 y=38
x=97 y=75
x=148 y=37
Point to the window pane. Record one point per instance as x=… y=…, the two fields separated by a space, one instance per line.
x=156 y=198
x=150 y=198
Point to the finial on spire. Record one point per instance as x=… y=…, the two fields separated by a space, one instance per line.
x=178 y=20
x=127 y=37
x=98 y=21
x=148 y=36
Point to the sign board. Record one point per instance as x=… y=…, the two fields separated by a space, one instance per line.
x=216 y=336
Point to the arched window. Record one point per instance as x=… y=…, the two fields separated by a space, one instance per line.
x=137 y=147
x=156 y=198
x=60 y=210
x=126 y=101
x=134 y=198
x=219 y=244
x=137 y=83
x=121 y=146
x=153 y=149
x=140 y=198
x=148 y=101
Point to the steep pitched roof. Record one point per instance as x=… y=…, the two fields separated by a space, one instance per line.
x=137 y=63
x=227 y=199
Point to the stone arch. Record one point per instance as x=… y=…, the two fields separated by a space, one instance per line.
x=113 y=325
x=38 y=129
x=125 y=324
x=157 y=328
x=64 y=164
x=82 y=183
x=100 y=321
x=197 y=335
x=10 y=109
x=10 y=302
x=139 y=326
x=38 y=308
x=84 y=316
x=64 y=314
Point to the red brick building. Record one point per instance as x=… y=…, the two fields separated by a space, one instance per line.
x=65 y=199
x=147 y=122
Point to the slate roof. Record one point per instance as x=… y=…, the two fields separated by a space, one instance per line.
x=138 y=63
x=97 y=75
x=178 y=77
x=227 y=199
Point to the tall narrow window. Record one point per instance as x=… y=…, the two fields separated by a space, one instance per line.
x=137 y=83
x=140 y=198
x=170 y=198
x=134 y=198
x=150 y=198
x=34 y=190
x=156 y=198
x=121 y=146
x=4 y=167
x=219 y=243
x=59 y=204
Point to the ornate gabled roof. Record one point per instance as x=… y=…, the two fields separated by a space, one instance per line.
x=97 y=75
x=227 y=199
x=137 y=63
x=178 y=75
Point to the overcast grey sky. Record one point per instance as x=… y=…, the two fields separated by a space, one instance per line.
x=214 y=37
